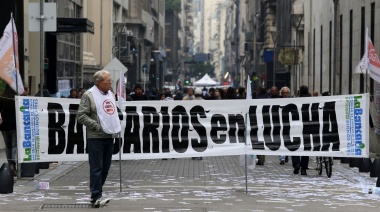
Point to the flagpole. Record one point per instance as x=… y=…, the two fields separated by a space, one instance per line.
x=366 y=58
x=14 y=52
x=15 y=69
x=119 y=101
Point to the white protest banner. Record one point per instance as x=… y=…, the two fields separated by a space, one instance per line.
x=325 y=126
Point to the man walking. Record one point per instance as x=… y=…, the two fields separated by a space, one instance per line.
x=285 y=93
x=97 y=111
x=301 y=161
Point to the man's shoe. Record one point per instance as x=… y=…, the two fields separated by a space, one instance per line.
x=296 y=169
x=101 y=202
x=282 y=162
x=303 y=172
x=286 y=159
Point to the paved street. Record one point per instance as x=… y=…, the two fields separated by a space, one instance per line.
x=212 y=184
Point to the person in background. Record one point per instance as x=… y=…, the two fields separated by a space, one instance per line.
x=168 y=96
x=189 y=95
x=153 y=94
x=162 y=97
x=219 y=94
x=285 y=93
x=73 y=94
x=80 y=92
x=261 y=93
x=241 y=93
x=230 y=94
x=274 y=92
x=315 y=93
x=211 y=94
x=178 y=95
x=198 y=96
x=301 y=161
x=138 y=95
x=204 y=93
x=97 y=111
x=45 y=92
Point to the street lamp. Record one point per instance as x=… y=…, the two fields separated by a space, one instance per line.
x=336 y=5
x=242 y=72
x=259 y=47
x=274 y=38
x=296 y=21
x=135 y=52
x=156 y=53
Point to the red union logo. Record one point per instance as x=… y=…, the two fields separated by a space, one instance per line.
x=108 y=107
x=372 y=56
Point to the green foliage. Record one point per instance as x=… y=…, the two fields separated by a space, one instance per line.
x=173 y=6
x=200 y=69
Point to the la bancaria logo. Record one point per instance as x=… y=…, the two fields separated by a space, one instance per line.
x=108 y=107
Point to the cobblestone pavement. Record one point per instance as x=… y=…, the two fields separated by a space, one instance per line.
x=212 y=184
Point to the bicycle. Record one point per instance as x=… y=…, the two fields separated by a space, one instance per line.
x=328 y=162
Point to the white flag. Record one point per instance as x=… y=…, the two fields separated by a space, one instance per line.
x=361 y=67
x=120 y=90
x=248 y=89
x=9 y=65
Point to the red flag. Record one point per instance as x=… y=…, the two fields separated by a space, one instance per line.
x=370 y=61
x=9 y=64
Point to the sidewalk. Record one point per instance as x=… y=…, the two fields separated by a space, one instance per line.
x=211 y=184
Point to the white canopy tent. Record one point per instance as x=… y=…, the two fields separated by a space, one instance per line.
x=206 y=81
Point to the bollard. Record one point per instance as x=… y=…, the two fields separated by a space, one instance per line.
x=28 y=169
x=354 y=162
x=378 y=182
x=6 y=179
x=365 y=165
x=36 y=169
x=43 y=165
x=375 y=170
x=344 y=160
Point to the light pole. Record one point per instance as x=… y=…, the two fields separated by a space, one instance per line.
x=274 y=38
x=243 y=74
x=145 y=69
x=156 y=53
x=336 y=4
x=237 y=44
x=136 y=53
x=296 y=20
x=259 y=47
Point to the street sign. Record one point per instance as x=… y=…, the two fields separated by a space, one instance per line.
x=145 y=68
x=49 y=17
x=201 y=57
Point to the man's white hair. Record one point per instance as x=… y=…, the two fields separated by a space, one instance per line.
x=99 y=76
x=283 y=88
